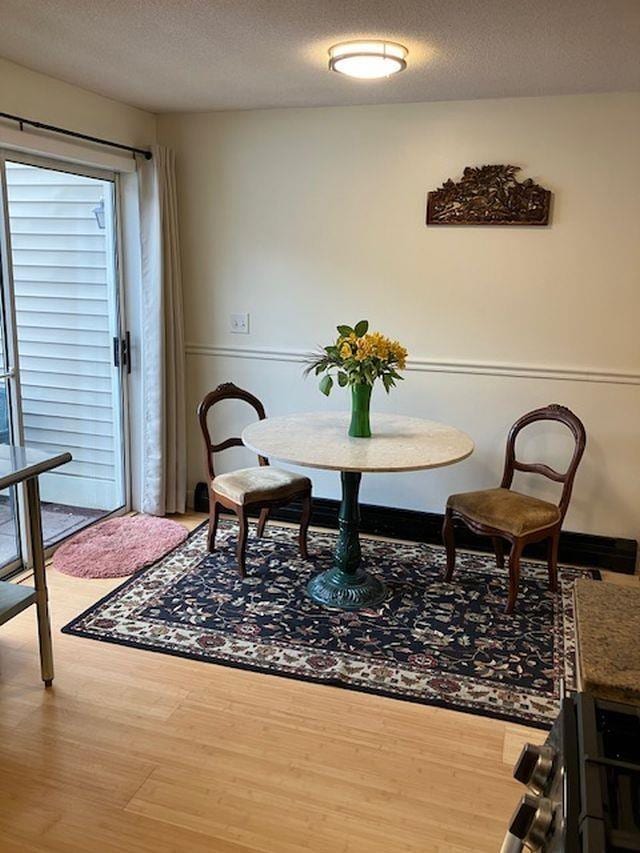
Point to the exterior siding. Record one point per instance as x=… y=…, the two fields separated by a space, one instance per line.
x=64 y=289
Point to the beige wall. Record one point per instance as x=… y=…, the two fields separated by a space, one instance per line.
x=306 y=218
x=33 y=95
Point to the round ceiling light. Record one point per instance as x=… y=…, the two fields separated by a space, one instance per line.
x=368 y=59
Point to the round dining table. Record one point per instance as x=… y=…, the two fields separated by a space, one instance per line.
x=320 y=440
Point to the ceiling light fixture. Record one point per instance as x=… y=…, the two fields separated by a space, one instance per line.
x=368 y=59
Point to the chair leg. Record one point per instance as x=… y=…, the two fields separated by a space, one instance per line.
x=552 y=564
x=264 y=517
x=448 y=537
x=243 y=531
x=514 y=574
x=498 y=547
x=214 y=515
x=305 y=518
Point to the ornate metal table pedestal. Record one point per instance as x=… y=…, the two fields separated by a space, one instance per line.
x=347 y=585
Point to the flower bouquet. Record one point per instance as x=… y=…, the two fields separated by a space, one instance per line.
x=357 y=358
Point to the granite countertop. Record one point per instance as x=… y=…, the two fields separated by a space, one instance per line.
x=608 y=635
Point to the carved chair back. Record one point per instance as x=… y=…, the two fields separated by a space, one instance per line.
x=226 y=391
x=553 y=412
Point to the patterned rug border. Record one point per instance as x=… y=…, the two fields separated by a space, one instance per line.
x=209 y=658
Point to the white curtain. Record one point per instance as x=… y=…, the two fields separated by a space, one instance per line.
x=162 y=345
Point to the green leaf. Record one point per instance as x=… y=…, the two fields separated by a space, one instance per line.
x=343 y=379
x=326 y=384
x=320 y=367
x=387 y=381
x=345 y=331
x=361 y=328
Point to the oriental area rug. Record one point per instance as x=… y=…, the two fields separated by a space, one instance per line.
x=437 y=643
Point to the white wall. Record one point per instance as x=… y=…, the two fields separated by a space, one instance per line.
x=37 y=96
x=307 y=218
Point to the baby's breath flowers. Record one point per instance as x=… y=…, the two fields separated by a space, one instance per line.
x=359 y=357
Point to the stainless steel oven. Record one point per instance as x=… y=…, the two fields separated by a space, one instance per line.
x=583 y=784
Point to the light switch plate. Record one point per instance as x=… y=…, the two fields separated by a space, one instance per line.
x=239 y=324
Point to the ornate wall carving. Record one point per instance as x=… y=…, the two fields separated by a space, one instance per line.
x=489 y=195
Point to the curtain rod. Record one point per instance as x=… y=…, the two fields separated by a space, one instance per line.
x=53 y=129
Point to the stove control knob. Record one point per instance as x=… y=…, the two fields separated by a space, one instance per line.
x=534 y=766
x=531 y=821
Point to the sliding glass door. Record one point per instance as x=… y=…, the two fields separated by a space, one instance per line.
x=62 y=310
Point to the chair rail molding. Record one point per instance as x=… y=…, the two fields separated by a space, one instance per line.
x=428 y=365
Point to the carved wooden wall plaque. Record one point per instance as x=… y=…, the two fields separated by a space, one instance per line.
x=489 y=195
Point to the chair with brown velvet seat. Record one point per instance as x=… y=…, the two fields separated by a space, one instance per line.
x=504 y=514
x=259 y=488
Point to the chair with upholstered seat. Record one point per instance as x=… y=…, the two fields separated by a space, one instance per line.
x=504 y=514
x=259 y=488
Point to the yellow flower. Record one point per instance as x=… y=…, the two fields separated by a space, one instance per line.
x=399 y=353
x=372 y=346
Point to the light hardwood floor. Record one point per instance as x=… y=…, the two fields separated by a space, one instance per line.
x=135 y=751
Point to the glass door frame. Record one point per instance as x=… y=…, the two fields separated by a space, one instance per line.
x=11 y=372
x=11 y=376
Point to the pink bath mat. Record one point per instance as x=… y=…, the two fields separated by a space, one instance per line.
x=118 y=547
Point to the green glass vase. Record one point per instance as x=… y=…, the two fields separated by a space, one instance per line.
x=360 y=426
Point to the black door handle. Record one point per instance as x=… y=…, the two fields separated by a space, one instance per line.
x=122 y=351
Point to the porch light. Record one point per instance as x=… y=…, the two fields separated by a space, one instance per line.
x=98 y=212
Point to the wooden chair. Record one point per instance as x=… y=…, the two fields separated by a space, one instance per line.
x=520 y=519
x=260 y=488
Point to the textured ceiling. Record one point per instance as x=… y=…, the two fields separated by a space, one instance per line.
x=182 y=55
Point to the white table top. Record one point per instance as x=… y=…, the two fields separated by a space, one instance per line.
x=20 y=463
x=320 y=440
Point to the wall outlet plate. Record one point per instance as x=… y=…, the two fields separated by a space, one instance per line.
x=239 y=324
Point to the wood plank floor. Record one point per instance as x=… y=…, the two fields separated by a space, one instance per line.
x=135 y=751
